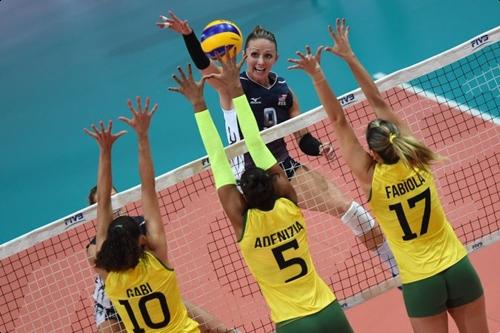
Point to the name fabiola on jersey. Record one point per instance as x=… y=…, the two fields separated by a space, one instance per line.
x=279 y=236
x=407 y=185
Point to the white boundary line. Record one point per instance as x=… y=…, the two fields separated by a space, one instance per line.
x=188 y=170
x=443 y=100
x=485 y=81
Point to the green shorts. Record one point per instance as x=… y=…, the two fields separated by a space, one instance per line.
x=329 y=319
x=455 y=286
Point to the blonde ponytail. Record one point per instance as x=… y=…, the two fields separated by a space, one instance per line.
x=384 y=138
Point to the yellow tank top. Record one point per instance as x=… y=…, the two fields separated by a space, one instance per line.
x=147 y=298
x=274 y=246
x=406 y=204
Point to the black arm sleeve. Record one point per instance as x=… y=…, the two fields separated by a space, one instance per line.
x=193 y=46
x=309 y=145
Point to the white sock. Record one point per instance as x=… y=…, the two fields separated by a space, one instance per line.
x=387 y=257
x=360 y=222
x=358 y=219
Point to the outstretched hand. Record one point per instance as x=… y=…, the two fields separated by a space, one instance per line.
x=141 y=117
x=191 y=89
x=341 y=46
x=103 y=135
x=174 y=23
x=229 y=75
x=327 y=150
x=308 y=62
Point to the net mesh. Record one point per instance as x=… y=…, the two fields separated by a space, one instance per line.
x=46 y=283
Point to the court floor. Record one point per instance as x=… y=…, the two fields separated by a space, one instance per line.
x=386 y=313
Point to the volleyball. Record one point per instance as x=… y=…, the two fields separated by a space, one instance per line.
x=218 y=35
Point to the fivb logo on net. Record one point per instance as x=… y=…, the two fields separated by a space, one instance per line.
x=74 y=219
x=479 y=41
x=348 y=99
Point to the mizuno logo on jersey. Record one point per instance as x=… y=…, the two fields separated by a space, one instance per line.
x=282 y=100
x=255 y=100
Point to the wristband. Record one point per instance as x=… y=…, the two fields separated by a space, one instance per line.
x=310 y=145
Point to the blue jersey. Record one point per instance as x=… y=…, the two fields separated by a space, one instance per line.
x=270 y=105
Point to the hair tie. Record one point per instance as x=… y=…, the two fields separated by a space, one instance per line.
x=392 y=136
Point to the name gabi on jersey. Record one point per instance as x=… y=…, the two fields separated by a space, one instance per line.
x=141 y=290
x=279 y=236
x=405 y=186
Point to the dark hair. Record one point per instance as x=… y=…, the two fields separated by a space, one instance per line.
x=257 y=186
x=260 y=33
x=385 y=139
x=92 y=193
x=121 y=250
x=91 y=197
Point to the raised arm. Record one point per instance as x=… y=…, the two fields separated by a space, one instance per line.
x=231 y=199
x=105 y=140
x=307 y=143
x=193 y=46
x=355 y=156
x=263 y=158
x=342 y=49
x=140 y=121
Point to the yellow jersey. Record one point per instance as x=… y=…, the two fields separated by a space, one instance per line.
x=406 y=205
x=147 y=298
x=274 y=246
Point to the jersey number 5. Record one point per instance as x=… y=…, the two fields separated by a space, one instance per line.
x=398 y=208
x=157 y=296
x=282 y=263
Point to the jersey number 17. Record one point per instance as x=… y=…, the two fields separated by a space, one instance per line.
x=398 y=208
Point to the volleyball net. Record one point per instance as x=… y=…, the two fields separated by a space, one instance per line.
x=451 y=102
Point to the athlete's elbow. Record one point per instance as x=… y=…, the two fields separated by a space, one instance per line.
x=337 y=120
x=377 y=101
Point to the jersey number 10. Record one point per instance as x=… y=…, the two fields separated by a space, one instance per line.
x=159 y=297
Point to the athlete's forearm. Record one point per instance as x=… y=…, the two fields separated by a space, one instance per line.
x=196 y=53
x=104 y=211
x=261 y=155
x=104 y=177
x=146 y=169
x=367 y=84
x=221 y=168
x=147 y=175
x=327 y=98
